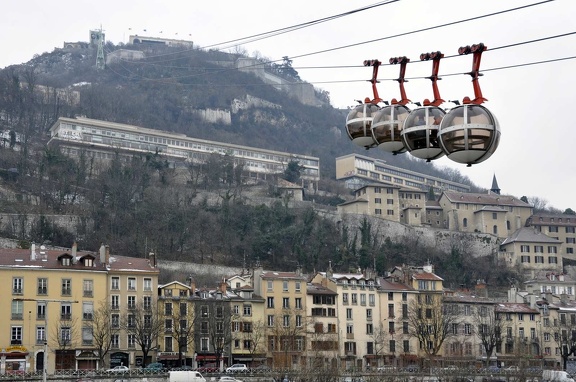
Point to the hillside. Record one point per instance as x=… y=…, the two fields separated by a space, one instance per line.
x=144 y=204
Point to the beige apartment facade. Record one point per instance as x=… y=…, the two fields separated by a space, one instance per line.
x=48 y=309
x=286 y=322
x=558 y=226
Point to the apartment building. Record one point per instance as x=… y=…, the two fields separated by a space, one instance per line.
x=49 y=308
x=359 y=315
x=322 y=345
x=132 y=294
x=176 y=339
x=532 y=250
x=286 y=322
x=54 y=298
x=491 y=213
x=393 y=343
x=389 y=202
x=558 y=226
x=105 y=140
x=356 y=171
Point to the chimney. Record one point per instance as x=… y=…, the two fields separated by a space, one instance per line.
x=192 y=284
x=33 y=252
x=480 y=289
x=223 y=286
x=329 y=271
x=102 y=254
x=152 y=259
x=107 y=254
x=563 y=298
x=74 y=249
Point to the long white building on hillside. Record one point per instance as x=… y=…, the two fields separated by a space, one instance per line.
x=105 y=140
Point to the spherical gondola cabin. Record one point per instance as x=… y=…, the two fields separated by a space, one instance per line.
x=420 y=132
x=469 y=134
x=387 y=127
x=359 y=124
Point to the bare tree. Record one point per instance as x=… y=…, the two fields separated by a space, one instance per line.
x=256 y=337
x=65 y=334
x=183 y=320
x=104 y=326
x=430 y=323
x=564 y=330
x=378 y=337
x=219 y=328
x=489 y=329
x=288 y=334
x=143 y=325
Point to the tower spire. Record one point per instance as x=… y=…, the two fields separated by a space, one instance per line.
x=495 y=189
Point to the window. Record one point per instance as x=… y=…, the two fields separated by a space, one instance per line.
x=525 y=248
x=286 y=320
x=552 y=249
x=115 y=320
x=285 y=286
x=131 y=302
x=391 y=328
x=389 y=201
x=17 y=310
x=87 y=310
x=270 y=320
x=369 y=329
x=147 y=302
x=88 y=289
x=17 y=285
x=405 y=327
x=390 y=310
x=349 y=328
x=41 y=310
x=131 y=283
x=247 y=310
x=204 y=311
x=570 y=229
x=377 y=211
x=552 y=229
x=65 y=311
x=87 y=336
x=16 y=335
x=298 y=302
x=569 y=250
x=371 y=300
x=406 y=346
x=539 y=259
x=115 y=341
x=270 y=302
x=467 y=329
x=539 y=248
x=219 y=312
x=285 y=303
x=494 y=229
x=494 y=216
x=168 y=308
x=465 y=222
x=270 y=285
x=389 y=212
x=236 y=309
x=392 y=345
x=298 y=321
x=345 y=298
x=369 y=314
x=298 y=286
x=354 y=299
x=378 y=200
x=66 y=287
x=40 y=335
x=131 y=341
x=115 y=284
x=147 y=284
x=524 y=259
x=349 y=314
x=363 y=299
x=42 y=286
x=65 y=335
x=115 y=302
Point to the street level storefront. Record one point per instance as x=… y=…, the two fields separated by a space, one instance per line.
x=14 y=360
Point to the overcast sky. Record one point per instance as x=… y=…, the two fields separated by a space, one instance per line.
x=532 y=103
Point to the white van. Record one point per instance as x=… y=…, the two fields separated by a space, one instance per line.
x=556 y=375
x=186 y=376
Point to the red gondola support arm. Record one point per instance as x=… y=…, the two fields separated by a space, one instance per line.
x=435 y=57
x=402 y=61
x=375 y=64
x=477 y=50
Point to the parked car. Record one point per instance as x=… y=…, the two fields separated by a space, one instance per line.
x=237 y=368
x=412 y=368
x=208 y=368
x=118 y=369
x=511 y=369
x=261 y=369
x=386 y=369
x=155 y=366
x=227 y=378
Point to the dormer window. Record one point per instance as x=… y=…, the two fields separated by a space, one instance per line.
x=66 y=261
x=88 y=262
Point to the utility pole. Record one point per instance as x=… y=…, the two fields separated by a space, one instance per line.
x=45 y=301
